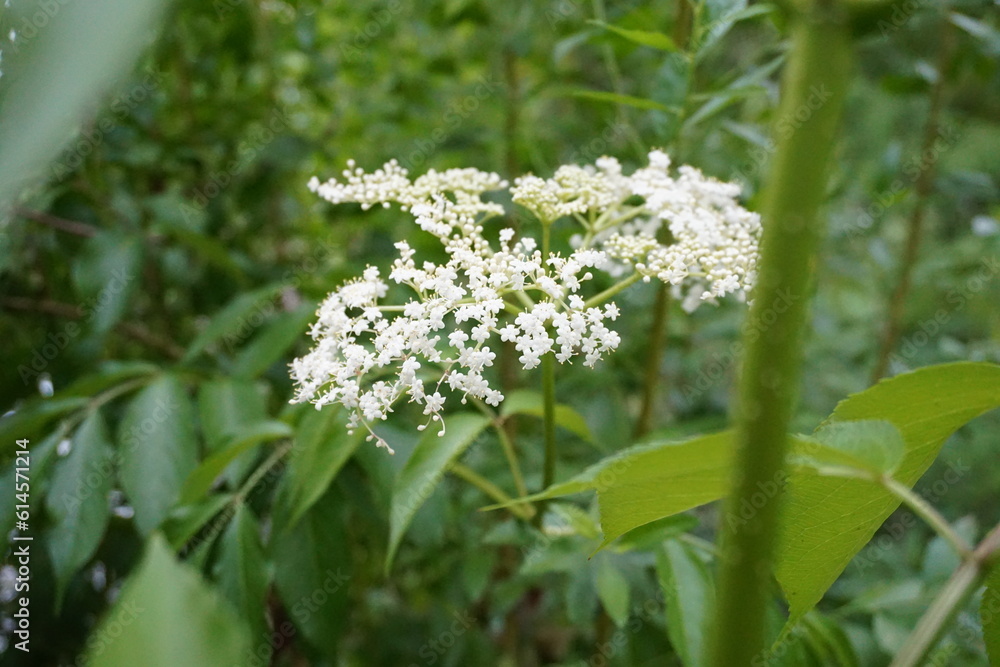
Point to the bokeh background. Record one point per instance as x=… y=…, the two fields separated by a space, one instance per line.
x=169 y=229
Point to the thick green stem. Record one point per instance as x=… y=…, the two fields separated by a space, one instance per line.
x=949 y=602
x=813 y=92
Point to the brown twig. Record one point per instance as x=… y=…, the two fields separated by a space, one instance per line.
x=62 y=224
x=923 y=187
x=133 y=330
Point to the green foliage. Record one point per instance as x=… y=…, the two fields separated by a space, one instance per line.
x=158 y=449
x=168 y=614
x=424 y=470
x=157 y=284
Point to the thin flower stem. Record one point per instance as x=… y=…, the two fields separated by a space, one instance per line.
x=931 y=516
x=511 y=454
x=506 y=443
x=598 y=299
x=548 y=396
x=652 y=381
x=549 y=412
x=524 y=511
x=962 y=584
x=820 y=58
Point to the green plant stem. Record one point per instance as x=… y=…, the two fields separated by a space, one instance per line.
x=931 y=516
x=548 y=393
x=654 y=356
x=924 y=186
x=600 y=298
x=511 y=454
x=683 y=19
x=820 y=58
x=962 y=584
x=240 y=496
x=490 y=489
x=549 y=414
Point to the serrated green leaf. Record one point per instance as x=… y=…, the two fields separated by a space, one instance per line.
x=78 y=499
x=689 y=592
x=827 y=520
x=627 y=100
x=171 y=617
x=200 y=481
x=321 y=447
x=612 y=590
x=241 y=570
x=158 y=449
x=273 y=340
x=424 y=470
x=530 y=402
x=234 y=322
x=656 y=40
x=312 y=570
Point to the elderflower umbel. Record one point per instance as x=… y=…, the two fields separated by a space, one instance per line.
x=369 y=355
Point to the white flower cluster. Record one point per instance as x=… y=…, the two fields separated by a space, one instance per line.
x=369 y=355
x=689 y=231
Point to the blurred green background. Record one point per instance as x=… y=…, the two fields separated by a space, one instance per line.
x=165 y=231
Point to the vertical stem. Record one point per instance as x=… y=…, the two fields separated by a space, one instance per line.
x=923 y=187
x=661 y=306
x=548 y=389
x=654 y=358
x=508 y=353
x=818 y=69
